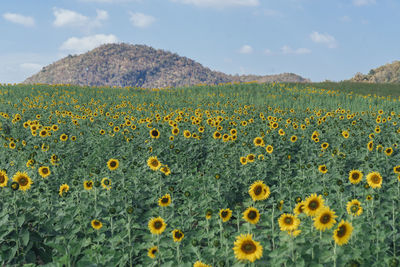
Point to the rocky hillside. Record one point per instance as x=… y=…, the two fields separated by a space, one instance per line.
x=389 y=73
x=139 y=65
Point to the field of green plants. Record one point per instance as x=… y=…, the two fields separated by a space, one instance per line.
x=227 y=175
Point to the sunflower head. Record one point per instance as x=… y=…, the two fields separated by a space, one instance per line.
x=106 y=183
x=153 y=163
x=64 y=188
x=96 y=224
x=152 y=252
x=3 y=178
x=44 y=171
x=288 y=222
x=23 y=180
x=246 y=249
x=157 y=225
x=313 y=204
x=299 y=209
x=354 y=207
x=164 y=201
x=113 y=164
x=154 y=133
x=177 y=235
x=342 y=233
x=259 y=191
x=251 y=215
x=355 y=176
x=225 y=214
x=208 y=214
x=374 y=180
x=322 y=169
x=88 y=185
x=325 y=219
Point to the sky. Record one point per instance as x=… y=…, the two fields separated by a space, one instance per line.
x=317 y=39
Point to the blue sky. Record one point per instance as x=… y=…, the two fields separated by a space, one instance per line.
x=317 y=39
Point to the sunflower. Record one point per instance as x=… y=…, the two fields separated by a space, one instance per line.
x=251 y=215
x=3 y=179
x=106 y=183
x=164 y=169
x=258 y=141
x=225 y=214
x=200 y=264
x=112 y=164
x=164 y=201
x=157 y=225
x=293 y=138
x=44 y=171
x=243 y=160
x=269 y=149
x=294 y=233
x=342 y=234
x=246 y=248
x=64 y=188
x=152 y=252
x=250 y=157
x=370 y=145
x=96 y=224
x=325 y=219
x=175 y=131
x=313 y=204
x=374 y=179
x=43 y=133
x=177 y=235
x=88 y=185
x=288 y=222
x=324 y=145
x=388 y=151
x=322 y=169
x=153 y=163
x=12 y=145
x=259 y=191
x=345 y=134
x=299 y=209
x=186 y=134
x=217 y=135
x=154 y=133
x=23 y=180
x=208 y=214
x=396 y=169
x=354 y=207
x=355 y=176
x=63 y=137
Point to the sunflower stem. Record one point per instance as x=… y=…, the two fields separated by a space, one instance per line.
x=272 y=226
x=129 y=239
x=178 y=253
x=238 y=221
x=334 y=254
x=16 y=221
x=394 y=234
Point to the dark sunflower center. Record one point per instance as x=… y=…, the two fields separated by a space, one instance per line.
x=107 y=182
x=154 y=133
x=258 y=141
x=355 y=176
x=23 y=181
x=113 y=164
x=323 y=168
x=397 y=169
x=251 y=157
x=252 y=215
x=164 y=200
x=154 y=163
x=257 y=190
x=248 y=247
x=89 y=184
x=342 y=231
x=301 y=208
x=288 y=221
x=45 y=170
x=326 y=218
x=224 y=214
x=2 y=179
x=178 y=234
x=153 y=251
x=96 y=223
x=158 y=225
x=375 y=179
x=313 y=205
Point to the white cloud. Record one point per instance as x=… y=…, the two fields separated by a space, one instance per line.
x=141 y=20
x=363 y=2
x=267 y=52
x=19 y=19
x=299 y=51
x=246 y=49
x=69 y=18
x=326 y=39
x=219 y=3
x=84 y=44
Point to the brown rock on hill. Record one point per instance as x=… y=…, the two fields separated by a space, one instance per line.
x=389 y=73
x=141 y=66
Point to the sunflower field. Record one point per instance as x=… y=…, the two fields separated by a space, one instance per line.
x=226 y=175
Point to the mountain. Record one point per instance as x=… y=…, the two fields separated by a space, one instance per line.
x=389 y=73
x=141 y=66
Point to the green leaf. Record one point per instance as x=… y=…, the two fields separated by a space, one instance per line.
x=25 y=237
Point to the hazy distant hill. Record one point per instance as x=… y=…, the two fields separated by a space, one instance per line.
x=389 y=73
x=139 y=65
